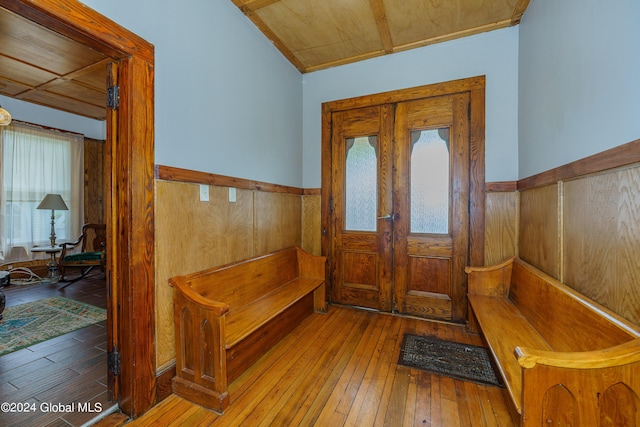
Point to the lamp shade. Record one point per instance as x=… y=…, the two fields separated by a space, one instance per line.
x=5 y=117
x=53 y=202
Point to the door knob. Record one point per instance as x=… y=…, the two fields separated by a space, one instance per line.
x=388 y=216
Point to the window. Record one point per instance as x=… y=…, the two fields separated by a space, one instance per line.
x=37 y=161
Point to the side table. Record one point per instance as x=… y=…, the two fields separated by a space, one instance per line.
x=52 y=277
x=4 y=281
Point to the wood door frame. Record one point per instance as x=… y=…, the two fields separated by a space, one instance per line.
x=130 y=210
x=475 y=86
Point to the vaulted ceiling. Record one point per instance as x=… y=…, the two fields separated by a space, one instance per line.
x=317 y=34
x=46 y=68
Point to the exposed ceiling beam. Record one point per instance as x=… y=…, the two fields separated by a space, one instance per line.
x=380 y=14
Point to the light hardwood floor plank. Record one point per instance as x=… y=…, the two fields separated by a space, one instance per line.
x=340 y=369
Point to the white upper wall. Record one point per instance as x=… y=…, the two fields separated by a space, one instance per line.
x=579 y=80
x=32 y=113
x=226 y=100
x=493 y=54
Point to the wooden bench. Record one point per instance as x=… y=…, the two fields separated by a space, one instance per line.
x=227 y=317
x=565 y=359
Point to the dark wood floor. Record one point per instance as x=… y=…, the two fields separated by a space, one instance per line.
x=65 y=369
x=339 y=369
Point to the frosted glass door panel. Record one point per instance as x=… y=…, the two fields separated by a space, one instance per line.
x=430 y=181
x=361 y=184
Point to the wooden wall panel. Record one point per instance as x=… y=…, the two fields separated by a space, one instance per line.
x=94 y=174
x=539 y=229
x=192 y=235
x=278 y=221
x=501 y=226
x=597 y=238
x=311 y=225
x=601 y=218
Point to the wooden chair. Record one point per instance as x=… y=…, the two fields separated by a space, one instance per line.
x=85 y=253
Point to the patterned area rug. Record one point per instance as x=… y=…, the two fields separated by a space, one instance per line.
x=28 y=324
x=452 y=359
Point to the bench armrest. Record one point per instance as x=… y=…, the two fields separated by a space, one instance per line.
x=311 y=265
x=494 y=280
x=180 y=285
x=618 y=355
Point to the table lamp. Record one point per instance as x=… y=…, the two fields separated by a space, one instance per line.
x=55 y=203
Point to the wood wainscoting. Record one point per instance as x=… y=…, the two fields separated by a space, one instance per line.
x=502 y=206
x=192 y=235
x=579 y=223
x=585 y=216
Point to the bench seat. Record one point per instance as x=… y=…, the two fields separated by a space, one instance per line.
x=227 y=317
x=493 y=315
x=564 y=359
x=243 y=321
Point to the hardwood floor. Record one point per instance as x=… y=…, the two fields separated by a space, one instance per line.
x=68 y=368
x=339 y=369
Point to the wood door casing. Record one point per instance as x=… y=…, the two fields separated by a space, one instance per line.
x=473 y=89
x=361 y=268
x=129 y=191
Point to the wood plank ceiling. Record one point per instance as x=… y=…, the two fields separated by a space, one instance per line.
x=318 y=34
x=43 y=67
x=46 y=68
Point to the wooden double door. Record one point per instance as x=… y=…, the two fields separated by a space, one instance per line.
x=399 y=203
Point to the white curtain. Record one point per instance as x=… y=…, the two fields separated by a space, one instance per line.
x=36 y=161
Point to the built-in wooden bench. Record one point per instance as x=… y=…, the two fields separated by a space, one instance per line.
x=227 y=317
x=565 y=359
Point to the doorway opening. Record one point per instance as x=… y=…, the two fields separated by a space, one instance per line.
x=128 y=188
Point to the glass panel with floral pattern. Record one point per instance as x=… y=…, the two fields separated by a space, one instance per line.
x=430 y=181
x=361 y=183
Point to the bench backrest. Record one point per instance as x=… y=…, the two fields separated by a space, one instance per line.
x=566 y=319
x=245 y=281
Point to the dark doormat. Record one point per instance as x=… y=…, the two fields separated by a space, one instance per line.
x=452 y=359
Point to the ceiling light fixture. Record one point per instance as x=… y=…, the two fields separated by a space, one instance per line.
x=5 y=117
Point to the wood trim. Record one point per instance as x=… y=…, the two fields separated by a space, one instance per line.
x=477 y=176
x=343 y=61
x=502 y=186
x=518 y=11
x=170 y=173
x=264 y=28
x=455 y=35
x=622 y=155
x=326 y=205
x=401 y=95
x=476 y=88
x=163 y=381
x=254 y=4
x=97 y=141
x=130 y=148
x=311 y=191
x=132 y=212
x=79 y=22
x=49 y=128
